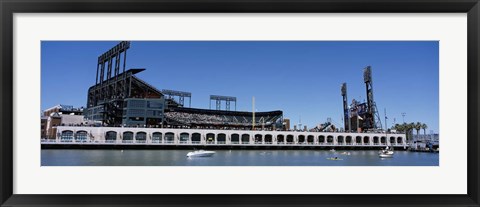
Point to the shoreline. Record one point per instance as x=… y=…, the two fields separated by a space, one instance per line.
x=227 y=147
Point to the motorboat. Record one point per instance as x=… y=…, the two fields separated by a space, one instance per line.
x=345 y=153
x=200 y=153
x=334 y=158
x=386 y=153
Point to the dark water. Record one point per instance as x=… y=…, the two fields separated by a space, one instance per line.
x=71 y=157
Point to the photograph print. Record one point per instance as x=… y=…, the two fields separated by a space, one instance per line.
x=240 y=103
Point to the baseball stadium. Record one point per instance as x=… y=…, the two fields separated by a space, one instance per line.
x=123 y=110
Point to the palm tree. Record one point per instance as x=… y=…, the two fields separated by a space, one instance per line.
x=411 y=126
x=396 y=127
x=417 y=127
x=424 y=127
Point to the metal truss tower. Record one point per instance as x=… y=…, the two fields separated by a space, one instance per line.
x=181 y=96
x=110 y=89
x=346 y=111
x=373 y=120
x=218 y=102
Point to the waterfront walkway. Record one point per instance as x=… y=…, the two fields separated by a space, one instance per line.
x=77 y=135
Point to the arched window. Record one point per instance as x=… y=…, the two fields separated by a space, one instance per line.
x=348 y=140
x=169 y=137
x=340 y=140
x=81 y=136
x=258 y=138
x=392 y=140
x=280 y=139
x=383 y=140
x=184 y=137
x=196 y=138
x=321 y=139
x=330 y=139
x=111 y=136
x=245 y=139
x=141 y=137
x=358 y=139
x=399 y=140
x=268 y=139
x=310 y=139
x=221 y=138
x=301 y=138
x=366 y=140
x=235 y=138
x=290 y=139
x=66 y=136
x=127 y=137
x=157 y=137
x=210 y=138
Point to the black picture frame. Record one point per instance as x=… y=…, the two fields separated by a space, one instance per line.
x=10 y=7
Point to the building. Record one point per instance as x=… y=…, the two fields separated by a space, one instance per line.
x=143 y=112
x=60 y=115
x=63 y=109
x=286 y=124
x=43 y=127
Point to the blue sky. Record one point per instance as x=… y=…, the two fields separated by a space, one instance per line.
x=302 y=78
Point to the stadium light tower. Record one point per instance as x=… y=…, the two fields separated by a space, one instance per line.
x=180 y=94
x=346 y=115
x=218 y=101
x=373 y=118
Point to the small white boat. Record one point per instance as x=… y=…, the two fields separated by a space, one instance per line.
x=200 y=153
x=386 y=153
x=345 y=153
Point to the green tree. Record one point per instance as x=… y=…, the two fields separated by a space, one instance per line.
x=409 y=129
x=417 y=127
x=424 y=127
x=400 y=127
